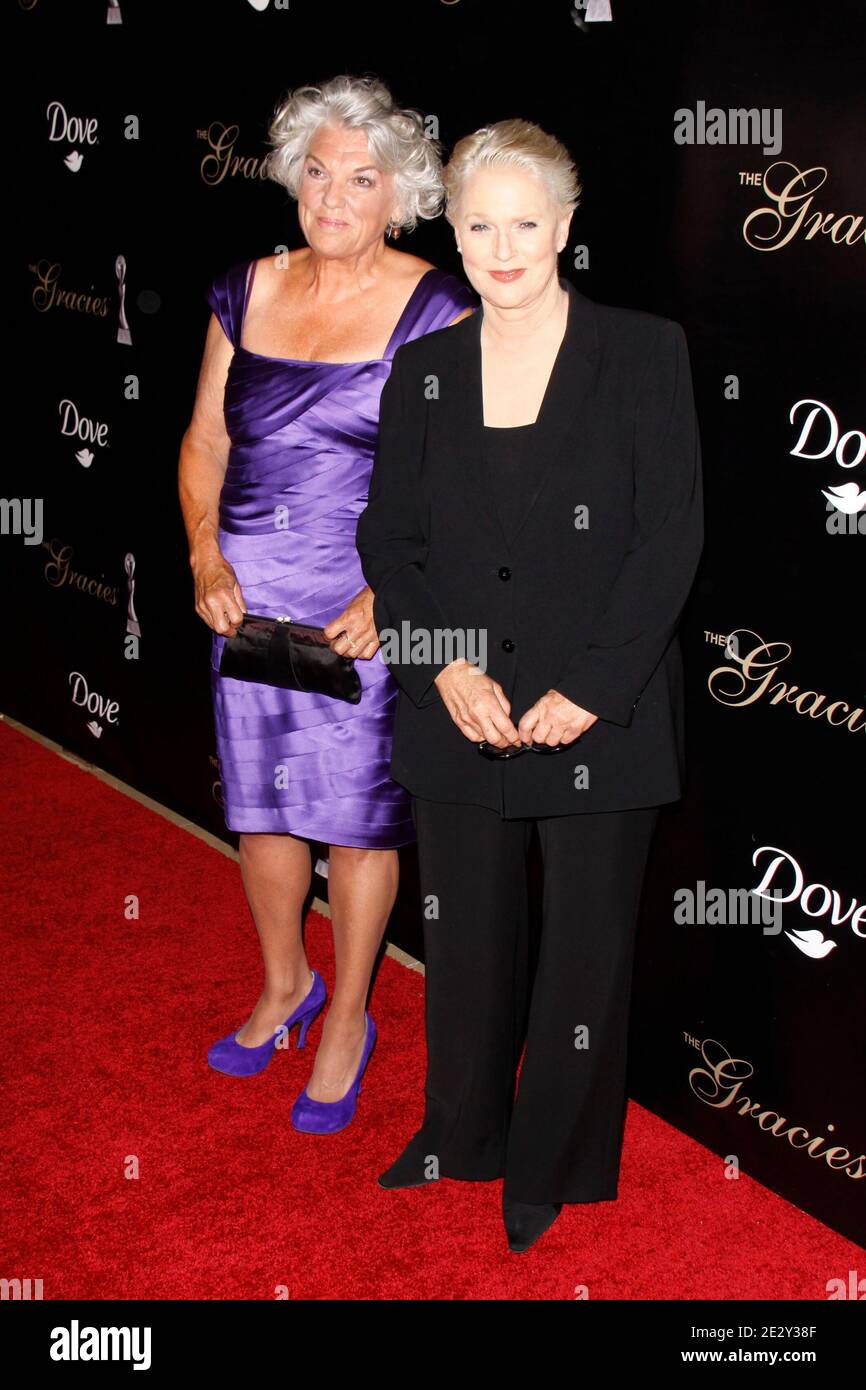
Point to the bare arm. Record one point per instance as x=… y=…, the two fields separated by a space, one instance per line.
x=204 y=453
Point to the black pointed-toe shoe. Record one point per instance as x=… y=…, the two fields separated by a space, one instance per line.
x=526 y=1221
x=409 y=1170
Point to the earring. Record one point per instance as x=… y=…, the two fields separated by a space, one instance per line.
x=392 y=231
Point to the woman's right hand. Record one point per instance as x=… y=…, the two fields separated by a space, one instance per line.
x=477 y=704
x=218 y=597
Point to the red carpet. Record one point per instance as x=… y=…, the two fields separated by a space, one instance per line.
x=106 y=1026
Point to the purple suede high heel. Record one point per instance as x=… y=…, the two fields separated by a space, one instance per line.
x=328 y=1116
x=234 y=1059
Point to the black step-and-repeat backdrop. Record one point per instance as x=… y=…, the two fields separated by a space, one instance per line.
x=722 y=153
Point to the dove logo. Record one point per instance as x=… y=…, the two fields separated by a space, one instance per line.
x=92 y=702
x=819 y=438
x=76 y=130
x=812 y=943
x=787 y=879
x=259 y=4
x=846 y=508
x=847 y=498
x=74 y=425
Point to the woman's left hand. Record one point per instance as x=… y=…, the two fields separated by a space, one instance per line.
x=353 y=633
x=553 y=719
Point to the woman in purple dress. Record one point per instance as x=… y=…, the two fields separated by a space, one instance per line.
x=274 y=472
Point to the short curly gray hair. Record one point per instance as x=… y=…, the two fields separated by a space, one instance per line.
x=395 y=136
x=517 y=143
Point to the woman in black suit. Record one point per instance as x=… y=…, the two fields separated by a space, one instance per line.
x=533 y=529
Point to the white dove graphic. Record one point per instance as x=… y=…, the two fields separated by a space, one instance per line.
x=812 y=943
x=846 y=498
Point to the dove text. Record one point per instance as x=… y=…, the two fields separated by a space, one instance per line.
x=788 y=883
x=79 y=130
x=74 y=423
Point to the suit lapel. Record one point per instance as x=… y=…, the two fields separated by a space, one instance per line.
x=565 y=398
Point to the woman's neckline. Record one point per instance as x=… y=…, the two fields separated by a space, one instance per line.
x=530 y=426
x=319 y=362
x=557 y=361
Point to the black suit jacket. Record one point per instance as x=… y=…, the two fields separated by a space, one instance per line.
x=583 y=602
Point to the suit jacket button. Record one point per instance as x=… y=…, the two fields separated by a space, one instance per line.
x=507 y=644
x=505 y=572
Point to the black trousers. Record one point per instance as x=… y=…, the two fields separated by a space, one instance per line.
x=560 y=1140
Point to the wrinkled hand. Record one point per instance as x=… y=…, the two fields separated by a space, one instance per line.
x=353 y=632
x=477 y=704
x=553 y=719
x=218 y=597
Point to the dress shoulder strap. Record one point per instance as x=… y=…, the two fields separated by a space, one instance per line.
x=228 y=295
x=437 y=300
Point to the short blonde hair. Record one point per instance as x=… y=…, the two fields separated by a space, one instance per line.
x=395 y=135
x=520 y=144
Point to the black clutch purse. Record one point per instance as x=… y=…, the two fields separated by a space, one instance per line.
x=295 y=656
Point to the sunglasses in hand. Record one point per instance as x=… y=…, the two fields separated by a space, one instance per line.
x=489 y=750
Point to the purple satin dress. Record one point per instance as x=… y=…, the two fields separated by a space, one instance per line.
x=303 y=436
